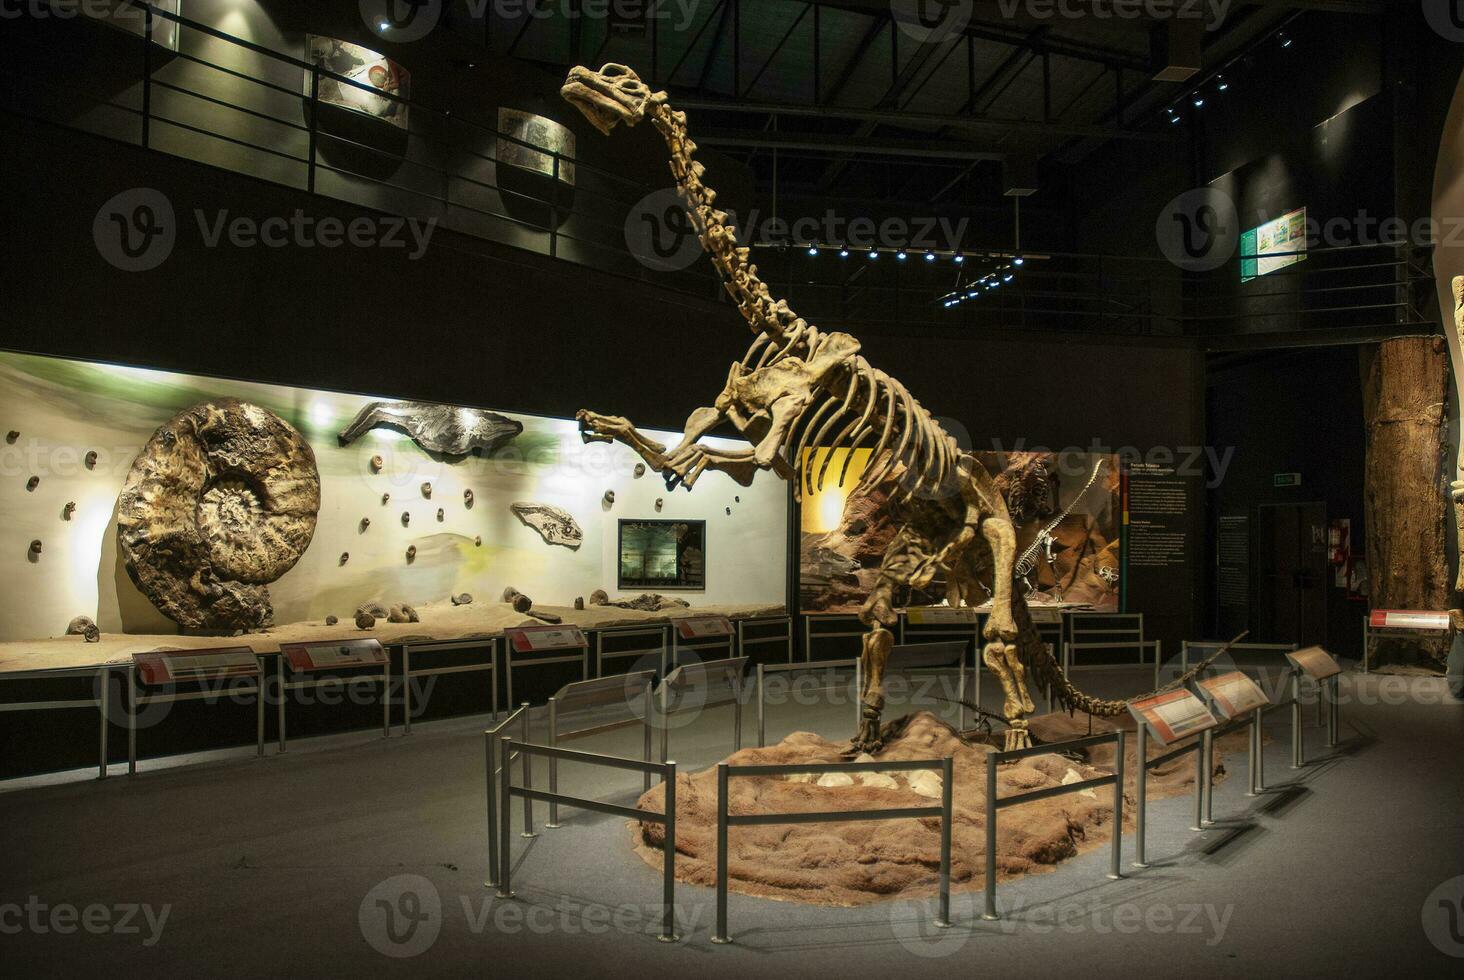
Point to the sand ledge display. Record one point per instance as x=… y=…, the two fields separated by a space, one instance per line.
x=856 y=863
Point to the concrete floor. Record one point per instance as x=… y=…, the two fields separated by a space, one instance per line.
x=245 y=867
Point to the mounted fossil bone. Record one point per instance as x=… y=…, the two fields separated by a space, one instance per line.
x=444 y=429
x=802 y=398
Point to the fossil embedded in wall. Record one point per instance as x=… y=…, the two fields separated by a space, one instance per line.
x=660 y=502
x=331 y=620
x=32 y=483
x=68 y=510
x=437 y=428
x=554 y=525
x=376 y=464
x=402 y=613
x=385 y=498
x=478 y=541
x=91 y=459
x=35 y=548
x=365 y=523
x=345 y=557
x=406 y=518
x=11 y=436
x=220 y=502
x=427 y=490
x=462 y=599
x=648 y=602
x=364 y=620
x=440 y=514
x=467 y=498
x=411 y=553
x=609 y=499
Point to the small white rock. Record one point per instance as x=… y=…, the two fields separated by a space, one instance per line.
x=836 y=779
x=1073 y=776
x=926 y=783
x=799 y=777
x=878 y=780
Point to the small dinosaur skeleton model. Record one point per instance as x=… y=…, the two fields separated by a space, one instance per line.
x=799 y=389
x=1044 y=543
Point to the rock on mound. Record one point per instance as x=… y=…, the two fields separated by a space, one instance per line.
x=859 y=862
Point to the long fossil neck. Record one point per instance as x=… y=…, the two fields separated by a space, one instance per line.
x=763 y=314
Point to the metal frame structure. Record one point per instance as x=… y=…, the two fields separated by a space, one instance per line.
x=136 y=700
x=687 y=675
x=526 y=750
x=995 y=804
x=1371 y=634
x=726 y=820
x=100 y=699
x=1083 y=624
x=829 y=665
x=536 y=660
x=595 y=693
x=490 y=750
x=757 y=622
x=661 y=649
x=490 y=668
x=724 y=641
x=365 y=674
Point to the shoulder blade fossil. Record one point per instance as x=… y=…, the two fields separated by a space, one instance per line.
x=444 y=429
x=554 y=525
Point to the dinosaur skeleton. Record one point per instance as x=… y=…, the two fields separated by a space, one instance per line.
x=1044 y=543
x=799 y=389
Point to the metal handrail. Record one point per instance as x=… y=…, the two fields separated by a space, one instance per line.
x=490 y=741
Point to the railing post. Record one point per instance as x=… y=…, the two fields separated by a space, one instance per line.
x=406 y=689
x=736 y=679
x=1207 y=748
x=554 y=210
x=528 y=830
x=668 y=883
x=947 y=793
x=990 y=913
x=1199 y=751
x=314 y=131
x=646 y=734
x=1332 y=702
x=662 y=717
x=505 y=787
x=1141 y=803
x=720 y=936
x=492 y=814
x=762 y=721
x=553 y=823
x=1296 y=749
x=147 y=72
x=1115 y=868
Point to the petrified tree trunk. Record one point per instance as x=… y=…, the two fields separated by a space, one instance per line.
x=1405 y=388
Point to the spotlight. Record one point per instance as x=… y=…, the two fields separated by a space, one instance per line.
x=812 y=250
x=930 y=256
x=384 y=25
x=1221 y=84
x=873 y=254
x=1199 y=102
x=1285 y=39
x=1007 y=277
x=900 y=255
x=843 y=253
x=972 y=294
x=1018 y=260
x=960 y=259
x=1173 y=118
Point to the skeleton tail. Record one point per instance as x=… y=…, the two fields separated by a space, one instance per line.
x=1054 y=684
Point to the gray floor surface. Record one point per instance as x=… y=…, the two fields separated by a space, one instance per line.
x=354 y=856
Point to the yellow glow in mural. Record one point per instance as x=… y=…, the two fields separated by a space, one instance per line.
x=823 y=509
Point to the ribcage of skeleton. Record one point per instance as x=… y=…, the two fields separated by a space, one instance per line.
x=862 y=407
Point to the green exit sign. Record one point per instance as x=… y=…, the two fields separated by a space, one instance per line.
x=1286 y=479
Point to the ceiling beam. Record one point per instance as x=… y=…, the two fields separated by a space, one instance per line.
x=900 y=117
x=835 y=143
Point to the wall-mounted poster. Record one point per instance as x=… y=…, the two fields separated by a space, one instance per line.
x=1274 y=245
x=1066 y=507
x=518 y=128
x=663 y=555
x=375 y=77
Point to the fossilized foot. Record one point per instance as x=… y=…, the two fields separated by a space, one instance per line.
x=1017 y=736
x=868 y=740
x=595 y=427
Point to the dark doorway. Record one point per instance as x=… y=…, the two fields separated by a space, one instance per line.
x=1291 y=573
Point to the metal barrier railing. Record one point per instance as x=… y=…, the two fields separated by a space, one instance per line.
x=829 y=665
x=100 y=699
x=507 y=790
x=995 y=804
x=615 y=633
x=597 y=693
x=757 y=623
x=490 y=668
x=1153 y=648
x=726 y=820
x=1201 y=747
x=688 y=676
x=490 y=743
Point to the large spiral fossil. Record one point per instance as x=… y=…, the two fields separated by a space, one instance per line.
x=219 y=503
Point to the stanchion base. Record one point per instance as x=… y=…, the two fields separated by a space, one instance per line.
x=990 y=918
x=528 y=836
x=1207 y=823
x=941 y=925
x=1198 y=830
x=1140 y=865
x=551 y=826
x=490 y=884
x=504 y=894
x=673 y=938
x=722 y=940
x=1113 y=877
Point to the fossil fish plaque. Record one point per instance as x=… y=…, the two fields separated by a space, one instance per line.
x=220 y=502
x=555 y=526
x=444 y=429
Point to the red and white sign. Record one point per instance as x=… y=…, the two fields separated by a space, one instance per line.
x=333 y=656
x=1233 y=694
x=537 y=639
x=700 y=627
x=1315 y=662
x=182 y=666
x=941 y=615
x=1409 y=619
x=1173 y=715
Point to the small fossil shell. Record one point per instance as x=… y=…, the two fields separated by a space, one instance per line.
x=579 y=602
x=365 y=523
x=478 y=541
x=406 y=518
x=660 y=502
x=439 y=513
x=35 y=546
x=32 y=483
x=467 y=498
x=364 y=620
x=403 y=614
x=377 y=463
x=12 y=435
x=345 y=557
x=427 y=490
x=411 y=552
x=83 y=626
x=729 y=511
x=68 y=510
x=91 y=460
x=331 y=620
x=462 y=599
x=737 y=500
x=385 y=498
x=509 y=594
x=609 y=499
x=640 y=470
x=599 y=597
x=373 y=609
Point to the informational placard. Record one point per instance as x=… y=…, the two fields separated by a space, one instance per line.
x=1172 y=715
x=1408 y=619
x=1274 y=245
x=182 y=666
x=1232 y=694
x=940 y=615
x=334 y=655
x=1315 y=662
x=539 y=639
x=700 y=627
x=523 y=135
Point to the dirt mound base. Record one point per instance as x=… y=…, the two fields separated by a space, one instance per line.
x=853 y=863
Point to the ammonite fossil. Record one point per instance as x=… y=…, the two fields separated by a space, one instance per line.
x=220 y=502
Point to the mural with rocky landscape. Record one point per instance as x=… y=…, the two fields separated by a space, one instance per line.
x=1066 y=506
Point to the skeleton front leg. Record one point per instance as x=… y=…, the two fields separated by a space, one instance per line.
x=682 y=464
